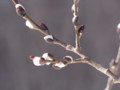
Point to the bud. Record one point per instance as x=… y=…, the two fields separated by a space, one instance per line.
x=49 y=38
x=113 y=64
x=118 y=28
x=36 y=60
x=58 y=65
x=73 y=8
x=81 y=28
x=48 y=56
x=75 y=20
x=43 y=26
x=20 y=10
x=29 y=24
x=68 y=58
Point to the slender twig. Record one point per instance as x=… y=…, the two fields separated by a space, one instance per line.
x=114 y=67
x=75 y=16
x=98 y=67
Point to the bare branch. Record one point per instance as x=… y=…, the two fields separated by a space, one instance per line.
x=114 y=67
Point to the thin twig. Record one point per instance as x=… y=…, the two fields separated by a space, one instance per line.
x=75 y=15
x=91 y=63
x=78 y=29
x=114 y=67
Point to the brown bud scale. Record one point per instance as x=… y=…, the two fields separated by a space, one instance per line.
x=20 y=11
x=42 y=60
x=81 y=29
x=43 y=26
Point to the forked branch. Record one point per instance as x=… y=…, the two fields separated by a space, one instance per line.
x=47 y=58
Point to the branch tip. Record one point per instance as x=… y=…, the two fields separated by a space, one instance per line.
x=15 y=1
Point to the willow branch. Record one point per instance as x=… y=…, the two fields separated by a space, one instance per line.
x=66 y=46
x=111 y=73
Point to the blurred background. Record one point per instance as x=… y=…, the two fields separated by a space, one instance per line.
x=17 y=42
